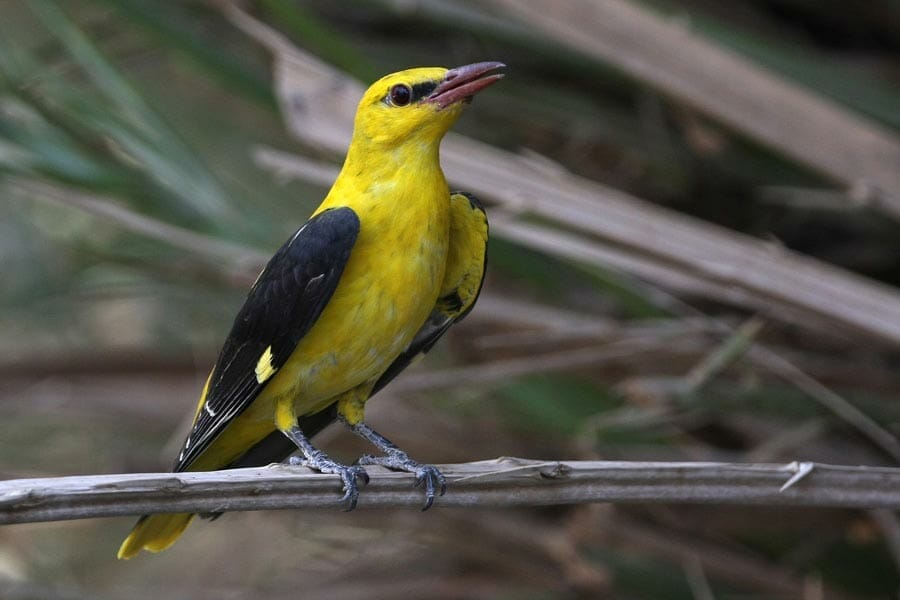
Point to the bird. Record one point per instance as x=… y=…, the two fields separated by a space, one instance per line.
x=382 y=268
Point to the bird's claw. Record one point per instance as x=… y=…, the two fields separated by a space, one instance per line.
x=349 y=476
x=429 y=475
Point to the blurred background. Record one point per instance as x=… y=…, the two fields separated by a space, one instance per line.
x=695 y=254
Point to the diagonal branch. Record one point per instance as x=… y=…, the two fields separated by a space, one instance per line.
x=502 y=482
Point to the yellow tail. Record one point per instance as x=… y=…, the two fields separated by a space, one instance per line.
x=154 y=533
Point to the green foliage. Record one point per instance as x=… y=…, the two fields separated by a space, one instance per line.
x=555 y=406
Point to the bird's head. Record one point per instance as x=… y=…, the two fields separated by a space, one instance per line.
x=419 y=104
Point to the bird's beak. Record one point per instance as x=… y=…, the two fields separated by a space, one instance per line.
x=461 y=83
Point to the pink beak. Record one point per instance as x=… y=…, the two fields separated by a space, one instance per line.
x=461 y=83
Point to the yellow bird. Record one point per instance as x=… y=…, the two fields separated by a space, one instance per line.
x=379 y=272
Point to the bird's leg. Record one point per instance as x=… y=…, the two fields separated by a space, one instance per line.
x=395 y=458
x=351 y=411
x=318 y=460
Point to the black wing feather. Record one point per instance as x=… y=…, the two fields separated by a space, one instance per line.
x=280 y=309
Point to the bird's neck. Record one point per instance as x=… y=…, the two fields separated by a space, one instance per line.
x=387 y=159
x=367 y=167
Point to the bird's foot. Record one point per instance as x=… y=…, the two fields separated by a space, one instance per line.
x=322 y=463
x=434 y=481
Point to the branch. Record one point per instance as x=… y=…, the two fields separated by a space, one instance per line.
x=500 y=483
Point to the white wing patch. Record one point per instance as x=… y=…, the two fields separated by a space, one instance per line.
x=264 y=368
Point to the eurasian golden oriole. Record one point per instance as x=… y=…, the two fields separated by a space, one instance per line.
x=379 y=272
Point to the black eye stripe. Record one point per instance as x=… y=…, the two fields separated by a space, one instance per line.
x=422 y=90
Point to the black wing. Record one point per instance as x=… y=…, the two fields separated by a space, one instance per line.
x=280 y=309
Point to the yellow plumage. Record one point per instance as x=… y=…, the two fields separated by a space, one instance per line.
x=413 y=263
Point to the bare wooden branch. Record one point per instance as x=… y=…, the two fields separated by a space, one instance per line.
x=501 y=482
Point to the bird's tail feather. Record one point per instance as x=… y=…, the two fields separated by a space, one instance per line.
x=154 y=533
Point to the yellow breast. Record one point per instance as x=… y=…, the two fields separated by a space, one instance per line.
x=388 y=288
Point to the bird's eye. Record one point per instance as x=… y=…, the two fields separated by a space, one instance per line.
x=400 y=95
